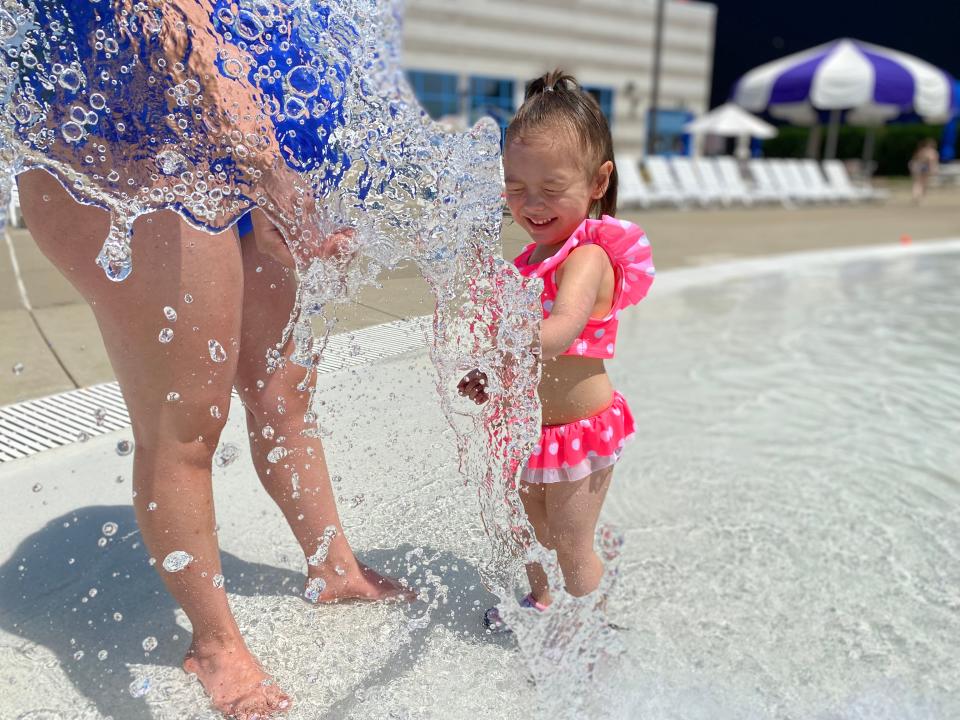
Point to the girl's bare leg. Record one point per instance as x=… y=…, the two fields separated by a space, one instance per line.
x=573 y=509
x=175 y=434
x=534 y=498
x=299 y=482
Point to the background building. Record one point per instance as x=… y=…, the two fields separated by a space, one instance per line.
x=467 y=58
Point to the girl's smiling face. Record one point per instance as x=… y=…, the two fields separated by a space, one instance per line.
x=548 y=190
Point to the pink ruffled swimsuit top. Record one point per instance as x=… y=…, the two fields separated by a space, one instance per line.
x=629 y=252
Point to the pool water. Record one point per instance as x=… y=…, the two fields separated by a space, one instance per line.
x=790 y=510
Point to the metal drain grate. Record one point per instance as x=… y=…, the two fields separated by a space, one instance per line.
x=379 y=342
x=33 y=426
x=36 y=425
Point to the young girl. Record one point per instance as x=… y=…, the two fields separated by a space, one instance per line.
x=561 y=187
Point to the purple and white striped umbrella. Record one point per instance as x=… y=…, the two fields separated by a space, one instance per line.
x=874 y=84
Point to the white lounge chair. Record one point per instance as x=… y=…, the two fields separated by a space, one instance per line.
x=766 y=183
x=841 y=183
x=665 y=186
x=729 y=189
x=632 y=190
x=789 y=178
x=729 y=172
x=691 y=183
x=809 y=174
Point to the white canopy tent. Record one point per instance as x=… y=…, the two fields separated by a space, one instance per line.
x=730 y=120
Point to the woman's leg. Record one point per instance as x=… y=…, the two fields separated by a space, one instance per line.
x=573 y=509
x=275 y=406
x=169 y=389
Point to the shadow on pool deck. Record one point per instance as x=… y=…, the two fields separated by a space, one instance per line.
x=45 y=599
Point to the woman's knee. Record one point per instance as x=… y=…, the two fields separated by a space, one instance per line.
x=277 y=404
x=186 y=429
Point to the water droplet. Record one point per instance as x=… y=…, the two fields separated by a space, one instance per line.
x=314 y=587
x=116 y=258
x=166 y=335
x=102 y=655
x=218 y=581
x=277 y=454
x=83 y=436
x=177 y=561
x=37 y=487
x=124 y=447
x=149 y=643
x=170 y=313
x=71 y=79
x=72 y=132
x=118 y=617
x=188 y=298
x=99 y=416
x=171 y=162
x=139 y=688
x=267 y=432
x=17 y=368
x=217 y=353
x=226 y=454
x=215 y=411
x=151 y=506
x=173 y=396
x=109 y=529
x=78 y=655
x=323 y=549
x=102 y=542
x=92 y=592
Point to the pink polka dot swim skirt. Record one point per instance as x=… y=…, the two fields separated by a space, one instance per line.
x=570 y=452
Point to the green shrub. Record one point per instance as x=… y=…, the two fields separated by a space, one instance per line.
x=894 y=147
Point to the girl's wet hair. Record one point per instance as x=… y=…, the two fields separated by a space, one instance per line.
x=557 y=101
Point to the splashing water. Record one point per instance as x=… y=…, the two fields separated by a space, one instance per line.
x=320 y=556
x=277 y=454
x=139 y=688
x=314 y=587
x=217 y=353
x=226 y=454
x=352 y=199
x=177 y=561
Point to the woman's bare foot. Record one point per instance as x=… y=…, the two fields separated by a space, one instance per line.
x=355 y=582
x=233 y=679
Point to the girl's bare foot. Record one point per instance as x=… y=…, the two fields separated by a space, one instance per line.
x=354 y=581
x=233 y=679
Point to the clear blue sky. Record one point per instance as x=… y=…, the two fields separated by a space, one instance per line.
x=752 y=32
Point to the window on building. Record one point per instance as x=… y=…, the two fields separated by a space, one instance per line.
x=436 y=92
x=671 y=139
x=604 y=97
x=493 y=97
